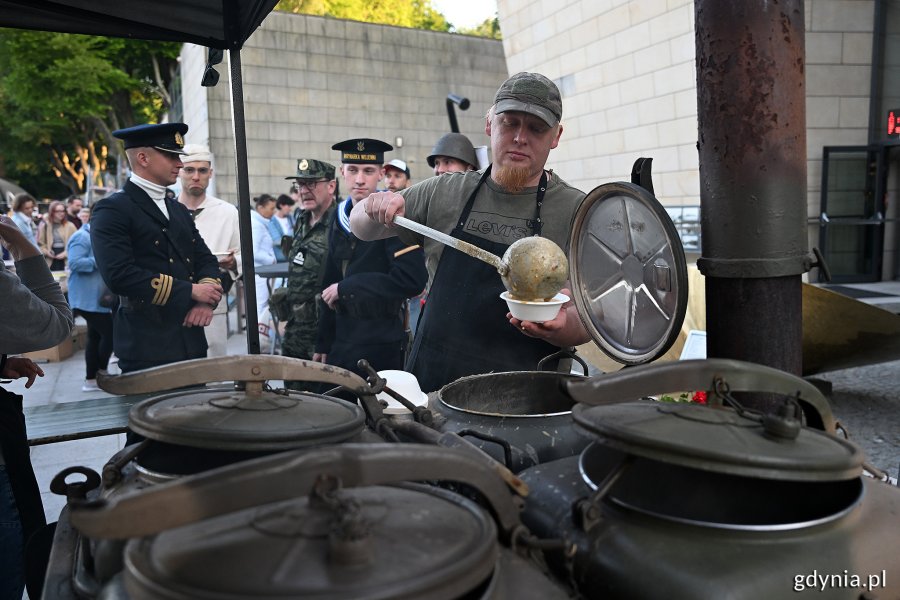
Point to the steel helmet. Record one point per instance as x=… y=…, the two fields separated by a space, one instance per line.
x=454 y=145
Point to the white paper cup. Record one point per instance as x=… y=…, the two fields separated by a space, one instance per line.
x=406 y=385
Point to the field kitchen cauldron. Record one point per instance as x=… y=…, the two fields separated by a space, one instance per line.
x=192 y=429
x=680 y=500
x=345 y=521
x=629 y=282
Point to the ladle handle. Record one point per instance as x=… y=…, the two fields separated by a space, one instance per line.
x=448 y=240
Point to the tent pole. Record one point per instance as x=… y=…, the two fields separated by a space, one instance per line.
x=243 y=193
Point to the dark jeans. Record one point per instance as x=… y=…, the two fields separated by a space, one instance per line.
x=99 y=341
x=12 y=570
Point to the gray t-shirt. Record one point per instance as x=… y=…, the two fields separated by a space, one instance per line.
x=497 y=215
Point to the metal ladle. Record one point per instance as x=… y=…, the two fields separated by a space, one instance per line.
x=532 y=268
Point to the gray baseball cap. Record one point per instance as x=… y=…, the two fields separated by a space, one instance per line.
x=531 y=93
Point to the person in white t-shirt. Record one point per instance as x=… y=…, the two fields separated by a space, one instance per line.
x=217 y=222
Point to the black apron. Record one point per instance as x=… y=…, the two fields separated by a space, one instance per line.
x=463 y=329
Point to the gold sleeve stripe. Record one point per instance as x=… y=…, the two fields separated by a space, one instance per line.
x=210 y=280
x=163 y=287
x=400 y=253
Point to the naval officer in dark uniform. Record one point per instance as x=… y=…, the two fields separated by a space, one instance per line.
x=150 y=253
x=366 y=284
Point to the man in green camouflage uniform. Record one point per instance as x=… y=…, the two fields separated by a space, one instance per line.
x=306 y=257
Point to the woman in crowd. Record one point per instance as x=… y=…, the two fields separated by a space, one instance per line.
x=53 y=235
x=23 y=216
x=281 y=224
x=263 y=254
x=86 y=288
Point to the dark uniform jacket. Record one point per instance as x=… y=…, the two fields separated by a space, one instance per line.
x=375 y=280
x=151 y=263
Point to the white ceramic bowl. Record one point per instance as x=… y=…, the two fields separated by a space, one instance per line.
x=406 y=385
x=533 y=310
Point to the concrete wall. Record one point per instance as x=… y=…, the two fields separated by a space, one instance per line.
x=627 y=75
x=310 y=82
x=626 y=72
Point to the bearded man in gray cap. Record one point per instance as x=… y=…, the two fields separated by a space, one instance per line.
x=465 y=328
x=217 y=222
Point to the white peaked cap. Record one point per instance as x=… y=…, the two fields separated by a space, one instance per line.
x=196 y=152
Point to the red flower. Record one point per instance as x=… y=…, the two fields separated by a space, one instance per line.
x=699 y=397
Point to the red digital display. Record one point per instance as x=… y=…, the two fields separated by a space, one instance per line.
x=893 y=123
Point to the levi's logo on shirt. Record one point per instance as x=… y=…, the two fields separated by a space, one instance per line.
x=497 y=228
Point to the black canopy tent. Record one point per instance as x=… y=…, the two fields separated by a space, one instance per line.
x=224 y=24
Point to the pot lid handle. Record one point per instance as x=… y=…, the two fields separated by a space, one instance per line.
x=637 y=382
x=290 y=475
x=247 y=367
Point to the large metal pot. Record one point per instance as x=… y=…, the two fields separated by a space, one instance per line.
x=325 y=523
x=521 y=418
x=197 y=428
x=690 y=501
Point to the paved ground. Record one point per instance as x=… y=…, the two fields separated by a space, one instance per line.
x=865 y=399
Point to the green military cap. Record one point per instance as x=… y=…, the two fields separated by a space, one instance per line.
x=531 y=93
x=310 y=168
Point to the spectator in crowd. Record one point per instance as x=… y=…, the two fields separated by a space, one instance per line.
x=396 y=175
x=150 y=253
x=281 y=224
x=53 y=235
x=86 y=297
x=453 y=152
x=23 y=216
x=217 y=222
x=36 y=316
x=306 y=258
x=263 y=254
x=73 y=207
x=465 y=328
x=366 y=284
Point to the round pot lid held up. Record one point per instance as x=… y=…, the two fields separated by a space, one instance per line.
x=227 y=419
x=407 y=543
x=628 y=272
x=718 y=440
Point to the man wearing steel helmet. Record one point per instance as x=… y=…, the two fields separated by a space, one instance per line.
x=453 y=152
x=465 y=328
x=149 y=252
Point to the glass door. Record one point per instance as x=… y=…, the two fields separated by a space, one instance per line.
x=851 y=226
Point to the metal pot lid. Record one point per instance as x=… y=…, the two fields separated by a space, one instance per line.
x=228 y=419
x=719 y=440
x=628 y=272
x=361 y=543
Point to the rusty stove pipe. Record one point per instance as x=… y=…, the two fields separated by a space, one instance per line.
x=751 y=103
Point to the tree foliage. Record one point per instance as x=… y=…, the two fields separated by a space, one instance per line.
x=61 y=95
x=418 y=14
x=490 y=28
